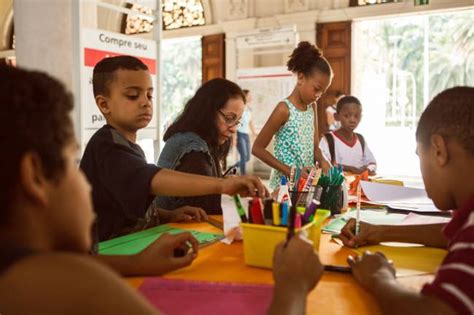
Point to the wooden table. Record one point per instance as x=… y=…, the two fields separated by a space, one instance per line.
x=336 y=293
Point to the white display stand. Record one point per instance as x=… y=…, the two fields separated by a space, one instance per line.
x=96 y=45
x=268 y=85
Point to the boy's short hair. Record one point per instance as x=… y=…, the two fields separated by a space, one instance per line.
x=104 y=71
x=449 y=114
x=346 y=100
x=34 y=117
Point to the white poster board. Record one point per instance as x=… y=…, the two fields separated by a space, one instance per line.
x=96 y=45
x=268 y=86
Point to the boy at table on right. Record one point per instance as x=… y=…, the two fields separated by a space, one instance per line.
x=445 y=146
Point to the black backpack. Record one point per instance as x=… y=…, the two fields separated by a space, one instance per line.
x=330 y=140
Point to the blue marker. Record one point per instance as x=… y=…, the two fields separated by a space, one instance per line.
x=284 y=213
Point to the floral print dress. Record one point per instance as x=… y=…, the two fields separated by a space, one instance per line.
x=294 y=142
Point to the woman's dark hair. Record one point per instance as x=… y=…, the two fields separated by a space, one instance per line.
x=34 y=117
x=199 y=114
x=307 y=58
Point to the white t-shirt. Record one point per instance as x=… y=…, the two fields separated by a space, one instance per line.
x=349 y=154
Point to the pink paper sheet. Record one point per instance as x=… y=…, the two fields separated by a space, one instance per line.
x=198 y=297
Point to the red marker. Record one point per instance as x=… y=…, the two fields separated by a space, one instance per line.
x=257 y=215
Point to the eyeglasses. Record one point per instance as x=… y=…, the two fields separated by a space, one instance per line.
x=230 y=120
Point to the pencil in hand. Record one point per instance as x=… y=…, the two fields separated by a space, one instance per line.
x=357 y=226
x=291 y=224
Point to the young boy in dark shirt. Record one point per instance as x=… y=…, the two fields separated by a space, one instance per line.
x=123 y=183
x=445 y=137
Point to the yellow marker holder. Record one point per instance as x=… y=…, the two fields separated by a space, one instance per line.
x=260 y=240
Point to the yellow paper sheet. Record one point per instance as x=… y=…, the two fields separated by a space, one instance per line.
x=410 y=261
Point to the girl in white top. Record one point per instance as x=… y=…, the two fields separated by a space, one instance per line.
x=344 y=146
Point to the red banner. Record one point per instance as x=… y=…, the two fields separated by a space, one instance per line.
x=93 y=56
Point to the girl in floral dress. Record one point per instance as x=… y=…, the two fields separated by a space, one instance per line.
x=293 y=121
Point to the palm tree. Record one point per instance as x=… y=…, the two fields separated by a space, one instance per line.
x=451 y=51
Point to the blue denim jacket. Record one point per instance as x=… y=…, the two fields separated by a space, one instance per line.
x=175 y=149
x=178 y=146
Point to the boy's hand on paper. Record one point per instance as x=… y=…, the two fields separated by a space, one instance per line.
x=296 y=267
x=371 y=268
x=158 y=258
x=183 y=214
x=367 y=234
x=245 y=186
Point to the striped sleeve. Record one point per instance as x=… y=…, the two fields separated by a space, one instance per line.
x=454 y=281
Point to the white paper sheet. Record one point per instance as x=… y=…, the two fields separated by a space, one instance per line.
x=399 y=198
x=231 y=218
x=385 y=193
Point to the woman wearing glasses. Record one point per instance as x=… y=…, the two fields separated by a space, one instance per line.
x=199 y=140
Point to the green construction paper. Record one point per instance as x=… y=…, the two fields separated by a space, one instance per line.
x=334 y=226
x=136 y=242
x=377 y=217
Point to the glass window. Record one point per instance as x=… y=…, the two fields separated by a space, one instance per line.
x=399 y=65
x=182 y=75
x=176 y=14
x=355 y=3
x=182 y=13
x=134 y=24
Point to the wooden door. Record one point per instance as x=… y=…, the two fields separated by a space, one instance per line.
x=213 y=57
x=335 y=41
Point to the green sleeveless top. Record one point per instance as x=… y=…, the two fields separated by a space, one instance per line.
x=294 y=142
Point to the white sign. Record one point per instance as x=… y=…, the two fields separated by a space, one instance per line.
x=267 y=37
x=268 y=86
x=96 y=45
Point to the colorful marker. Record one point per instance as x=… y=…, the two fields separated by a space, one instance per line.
x=298 y=221
x=284 y=213
x=240 y=208
x=268 y=211
x=257 y=215
x=310 y=211
x=276 y=213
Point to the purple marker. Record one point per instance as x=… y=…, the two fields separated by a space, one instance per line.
x=310 y=210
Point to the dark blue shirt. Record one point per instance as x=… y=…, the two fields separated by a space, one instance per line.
x=120 y=177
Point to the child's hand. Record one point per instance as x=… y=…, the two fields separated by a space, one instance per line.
x=158 y=258
x=371 y=168
x=371 y=269
x=326 y=166
x=244 y=185
x=296 y=267
x=354 y=170
x=183 y=214
x=367 y=234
